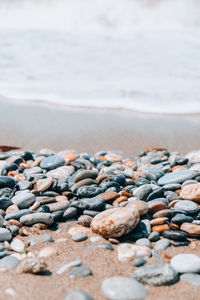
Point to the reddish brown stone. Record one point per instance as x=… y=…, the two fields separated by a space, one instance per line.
x=156 y=207
x=109 y=195
x=191 y=192
x=120 y=199
x=191 y=229
x=160 y=228
x=159 y=221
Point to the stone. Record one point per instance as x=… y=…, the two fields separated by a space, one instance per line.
x=47 y=252
x=17 y=245
x=181 y=218
x=154 y=236
x=77 y=295
x=31 y=265
x=5 y=235
x=43 y=184
x=89 y=191
x=193 y=230
x=141 y=206
x=24 y=199
x=79 y=237
x=86 y=174
x=60 y=172
x=52 y=162
x=156 y=274
x=143 y=191
x=85 y=220
x=96 y=203
x=115 y=222
x=153 y=173
x=123 y=288
x=191 y=278
x=74 y=263
x=82 y=271
x=187 y=206
x=138 y=262
x=29 y=220
x=127 y=251
x=191 y=192
x=186 y=263
x=160 y=228
x=177 y=177
x=78 y=229
x=6 y=181
x=144 y=242
x=47 y=238
x=60 y=205
x=162 y=244
x=98 y=246
x=175 y=235
x=70 y=212
x=9 y=262
x=158 y=221
x=16 y=215
x=5 y=202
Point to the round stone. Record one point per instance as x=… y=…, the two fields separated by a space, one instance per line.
x=52 y=162
x=5 y=235
x=82 y=271
x=5 y=202
x=43 y=184
x=138 y=262
x=24 y=199
x=6 y=181
x=47 y=252
x=186 y=263
x=175 y=235
x=60 y=172
x=79 y=237
x=187 y=206
x=181 y=218
x=156 y=274
x=17 y=245
x=115 y=222
x=141 y=206
x=10 y=262
x=176 y=177
x=191 y=278
x=119 y=287
x=127 y=251
x=162 y=244
x=77 y=295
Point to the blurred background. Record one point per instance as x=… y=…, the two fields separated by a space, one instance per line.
x=141 y=55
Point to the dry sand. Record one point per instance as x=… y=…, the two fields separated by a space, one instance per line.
x=34 y=127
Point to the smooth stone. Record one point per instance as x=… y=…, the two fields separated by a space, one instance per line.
x=177 y=177
x=91 y=213
x=85 y=220
x=98 y=246
x=5 y=202
x=186 y=263
x=77 y=295
x=191 y=192
x=154 y=236
x=1 y=221
x=159 y=221
x=156 y=193
x=187 y=206
x=96 y=203
x=162 y=244
x=17 y=245
x=123 y=288
x=155 y=255
x=47 y=238
x=16 y=215
x=52 y=162
x=78 y=229
x=191 y=278
x=70 y=212
x=144 y=242
x=143 y=191
x=138 y=262
x=84 y=182
x=74 y=263
x=32 y=265
x=162 y=213
x=181 y=218
x=9 y=262
x=115 y=222
x=187 y=182
x=141 y=206
x=127 y=251
x=82 y=271
x=193 y=230
x=43 y=184
x=60 y=172
x=24 y=199
x=175 y=235
x=47 y=252
x=160 y=228
x=89 y=191
x=6 y=181
x=153 y=173
x=44 y=218
x=179 y=243
x=156 y=274
x=79 y=237
x=95 y=239
x=172 y=186
x=60 y=205
x=86 y=174
x=5 y=235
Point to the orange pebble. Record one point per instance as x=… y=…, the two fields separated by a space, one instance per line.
x=160 y=228
x=70 y=157
x=12 y=173
x=124 y=193
x=12 y=208
x=119 y=200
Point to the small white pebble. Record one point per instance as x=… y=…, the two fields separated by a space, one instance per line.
x=10 y=292
x=94 y=239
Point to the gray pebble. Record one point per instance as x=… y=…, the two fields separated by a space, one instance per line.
x=154 y=236
x=71 y=264
x=5 y=235
x=77 y=295
x=144 y=242
x=138 y=262
x=187 y=206
x=82 y=271
x=10 y=262
x=24 y=199
x=177 y=177
x=45 y=218
x=79 y=237
x=162 y=244
x=186 y=263
x=100 y=246
x=192 y=278
x=52 y=162
x=16 y=215
x=47 y=238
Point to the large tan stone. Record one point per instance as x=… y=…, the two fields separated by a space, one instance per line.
x=115 y=222
x=191 y=192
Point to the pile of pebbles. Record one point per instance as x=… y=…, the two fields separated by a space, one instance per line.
x=143 y=204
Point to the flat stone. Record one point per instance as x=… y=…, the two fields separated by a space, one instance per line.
x=52 y=162
x=5 y=235
x=47 y=252
x=88 y=191
x=43 y=184
x=79 y=237
x=177 y=177
x=154 y=236
x=175 y=235
x=115 y=222
x=86 y=174
x=9 y=262
x=123 y=288
x=143 y=191
x=193 y=230
x=24 y=199
x=98 y=246
x=60 y=205
x=78 y=229
x=191 y=192
x=186 y=263
x=187 y=206
x=144 y=242
x=159 y=221
x=96 y=203
x=153 y=173
x=6 y=181
x=74 y=263
x=5 y=202
x=141 y=206
x=191 y=278
x=156 y=274
x=70 y=212
x=16 y=215
x=32 y=265
x=162 y=244
x=44 y=218
x=138 y=262
x=127 y=251
x=17 y=245
x=82 y=271
x=77 y=295
x=60 y=172
x=181 y=218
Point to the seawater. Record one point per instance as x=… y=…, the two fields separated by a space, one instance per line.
x=142 y=55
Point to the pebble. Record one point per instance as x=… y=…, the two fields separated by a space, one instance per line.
x=154 y=236
x=24 y=199
x=5 y=202
x=77 y=295
x=75 y=263
x=9 y=262
x=82 y=271
x=186 y=206
x=181 y=218
x=127 y=251
x=17 y=245
x=115 y=222
x=143 y=191
x=16 y=215
x=177 y=177
x=98 y=246
x=191 y=192
x=144 y=242
x=45 y=218
x=125 y=288
x=162 y=244
x=186 y=263
x=60 y=172
x=5 y=235
x=10 y=292
x=85 y=220
x=79 y=237
x=193 y=230
x=52 y=162
x=138 y=262
x=141 y=206
x=156 y=274
x=175 y=235
x=43 y=184
x=191 y=278
x=31 y=265
x=86 y=174
x=47 y=252
x=6 y=181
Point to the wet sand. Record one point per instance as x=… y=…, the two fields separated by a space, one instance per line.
x=37 y=126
